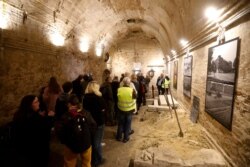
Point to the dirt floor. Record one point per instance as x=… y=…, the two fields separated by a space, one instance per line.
x=152 y=130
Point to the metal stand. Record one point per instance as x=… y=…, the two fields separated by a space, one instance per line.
x=174 y=108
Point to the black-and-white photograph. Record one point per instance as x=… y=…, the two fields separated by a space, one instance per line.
x=188 y=66
x=195 y=109
x=187 y=86
x=175 y=74
x=222 y=60
x=221 y=76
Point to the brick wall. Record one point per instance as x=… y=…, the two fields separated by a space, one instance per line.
x=28 y=60
x=236 y=143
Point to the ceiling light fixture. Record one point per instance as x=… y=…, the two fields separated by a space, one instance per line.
x=57 y=39
x=99 y=49
x=84 y=44
x=173 y=52
x=183 y=42
x=4 y=16
x=212 y=14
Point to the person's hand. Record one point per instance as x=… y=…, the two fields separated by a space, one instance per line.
x=51 y=113
x=42 y=113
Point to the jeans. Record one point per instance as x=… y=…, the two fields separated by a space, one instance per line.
x=97 y=147
x=124 y=125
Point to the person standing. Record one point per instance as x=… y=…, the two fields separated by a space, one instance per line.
x=107 y=94
x=32 y=134
x=115 y=85
x=159 y=82
x=165 y=85
x=77 y=87
x=62 y=101
x=94 y=103
x=136 y=85
x=126 y=105
x=74 y=132
x=51 y=93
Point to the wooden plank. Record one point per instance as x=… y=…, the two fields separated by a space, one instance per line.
x=163 y=101
x=157 y=107
x=170 y=101
x=156 y=102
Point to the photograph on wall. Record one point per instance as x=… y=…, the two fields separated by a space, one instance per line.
x=175 y=74
x=187 y=79
x=188 y=66
x=195 y=109
x=221 y=76
x=187 y=86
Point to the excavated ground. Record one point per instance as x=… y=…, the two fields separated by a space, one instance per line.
x=156 y=142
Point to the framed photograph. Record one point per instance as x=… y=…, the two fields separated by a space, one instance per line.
x=221 y=76
x=187 y=86
x=188 y=66
x=175 y=74
x=187 y=79
x=195 y=109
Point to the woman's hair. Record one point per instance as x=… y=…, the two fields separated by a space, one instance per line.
x=93 y=87
x=53 y=85
x=25 y=108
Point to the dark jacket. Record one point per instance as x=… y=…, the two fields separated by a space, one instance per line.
x=69 y=133
x=115 y=85
x=61 y=105
x=32 y=137
x=106 y=90
x=96 y=106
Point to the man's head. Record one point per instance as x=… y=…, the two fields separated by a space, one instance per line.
x=126 y=81
x=67 y=87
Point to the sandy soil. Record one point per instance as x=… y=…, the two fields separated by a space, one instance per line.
x=154 y=130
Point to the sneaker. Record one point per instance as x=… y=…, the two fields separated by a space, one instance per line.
x=118 y=139
x=131 y=132
x=125 y=140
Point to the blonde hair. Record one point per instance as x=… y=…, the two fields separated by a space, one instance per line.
x=93 y=87
x=126 y=81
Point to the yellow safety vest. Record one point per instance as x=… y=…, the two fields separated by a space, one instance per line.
x=125 y=100
x=165 y=84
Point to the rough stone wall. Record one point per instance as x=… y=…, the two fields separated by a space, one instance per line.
x=147 y=53
x=235 y=143
x=28 y=60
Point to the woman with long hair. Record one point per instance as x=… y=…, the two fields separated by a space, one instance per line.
x=32 y=133
x=51 y=93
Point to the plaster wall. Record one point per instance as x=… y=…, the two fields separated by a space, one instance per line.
x=235 y=143
x=144 y=51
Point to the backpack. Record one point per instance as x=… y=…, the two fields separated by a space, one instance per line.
x=74 y=132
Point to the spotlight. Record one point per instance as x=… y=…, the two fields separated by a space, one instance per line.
x=212 y=14
x=183 y=42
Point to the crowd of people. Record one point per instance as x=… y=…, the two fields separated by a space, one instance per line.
x=77 y=111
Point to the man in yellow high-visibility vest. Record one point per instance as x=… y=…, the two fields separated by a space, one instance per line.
x=165 y=85
x=126 y=105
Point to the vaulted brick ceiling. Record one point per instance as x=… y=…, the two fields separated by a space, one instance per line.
x=110 y=21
